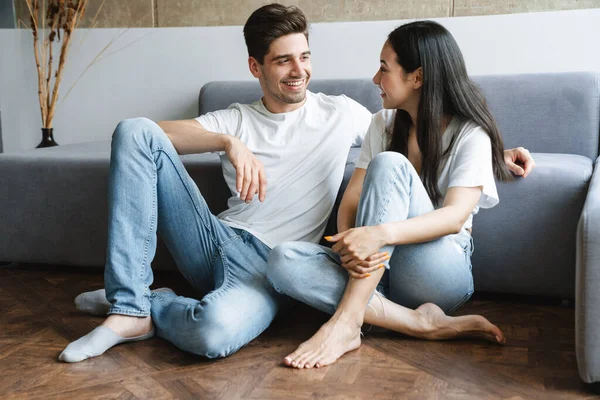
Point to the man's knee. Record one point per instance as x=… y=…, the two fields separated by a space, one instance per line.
x=283 y=265
x=216 y=337
x=132 y=128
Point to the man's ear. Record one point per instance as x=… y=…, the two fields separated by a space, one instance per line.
x=418 y=78
x=254 y=67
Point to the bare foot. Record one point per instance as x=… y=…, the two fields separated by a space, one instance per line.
x=128 y=326
x=439 y=326
x=334 y=339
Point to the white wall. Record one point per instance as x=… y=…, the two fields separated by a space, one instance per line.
x=161 y=70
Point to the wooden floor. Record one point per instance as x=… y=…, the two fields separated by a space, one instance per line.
x=38 y=319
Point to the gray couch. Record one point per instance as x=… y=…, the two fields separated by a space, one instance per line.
x=53 y=201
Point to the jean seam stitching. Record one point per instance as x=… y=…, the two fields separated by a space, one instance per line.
x=387 y=199
x=149 y=237
x=187 y=188
x=226 y=279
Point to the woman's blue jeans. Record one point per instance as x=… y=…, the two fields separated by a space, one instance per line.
x=438 y=271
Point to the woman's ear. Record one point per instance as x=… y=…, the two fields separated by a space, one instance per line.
x=417 y=78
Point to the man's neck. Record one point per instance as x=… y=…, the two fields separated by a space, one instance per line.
x=278 y=107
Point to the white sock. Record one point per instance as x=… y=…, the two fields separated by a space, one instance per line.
x=95 y=343
x=93 y=302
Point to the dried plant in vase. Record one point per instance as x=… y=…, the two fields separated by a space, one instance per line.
x=52 y=21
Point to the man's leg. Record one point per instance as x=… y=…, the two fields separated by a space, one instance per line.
x=149 y=188
x=232 y=315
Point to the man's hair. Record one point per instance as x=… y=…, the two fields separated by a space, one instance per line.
x=268 y=24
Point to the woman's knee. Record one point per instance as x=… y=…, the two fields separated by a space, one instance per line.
x=388 y=160
x=387 y=164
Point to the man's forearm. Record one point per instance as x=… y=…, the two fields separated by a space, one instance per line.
x=188 y=137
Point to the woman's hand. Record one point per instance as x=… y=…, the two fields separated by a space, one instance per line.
x=359 y=250
x=519 y=161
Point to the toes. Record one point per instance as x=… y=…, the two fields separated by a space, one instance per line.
x=314 y=359
x=292 y=359
x=302 y=361
x=288 y=361
x=328 y=360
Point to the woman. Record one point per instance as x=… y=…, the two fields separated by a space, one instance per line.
x=427 y=165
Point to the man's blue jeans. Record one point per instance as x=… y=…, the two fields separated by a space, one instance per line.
x=438 y=271
x=150 y=191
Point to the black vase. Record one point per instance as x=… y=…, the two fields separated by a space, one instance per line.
x=47 y=139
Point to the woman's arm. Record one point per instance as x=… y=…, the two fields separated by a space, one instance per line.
x=359 y=244
x=346 y=218
x=449 y=219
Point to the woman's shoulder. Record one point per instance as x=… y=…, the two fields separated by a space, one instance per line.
x=470 y=135
x=382 y=121
x=385 y=117
x=469 y=130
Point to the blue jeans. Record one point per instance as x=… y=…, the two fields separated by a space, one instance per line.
x=150 y=191
x=438 y=271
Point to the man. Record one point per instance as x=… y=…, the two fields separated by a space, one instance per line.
x=292 y=141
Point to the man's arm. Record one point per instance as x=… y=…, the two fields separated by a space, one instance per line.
x=519 y=161
x=189 y=136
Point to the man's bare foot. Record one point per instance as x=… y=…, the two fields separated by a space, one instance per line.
x=438 y=326
x=335 y=338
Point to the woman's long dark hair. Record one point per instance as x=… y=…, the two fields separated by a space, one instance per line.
x=446 y=90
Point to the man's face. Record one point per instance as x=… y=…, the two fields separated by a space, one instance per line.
x=285 y=72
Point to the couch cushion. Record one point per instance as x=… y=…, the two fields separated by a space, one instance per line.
x=219 y=95
x=526 y=244
x=54 y=207
x=547 y=113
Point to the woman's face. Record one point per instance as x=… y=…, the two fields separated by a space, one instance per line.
x=399 y=90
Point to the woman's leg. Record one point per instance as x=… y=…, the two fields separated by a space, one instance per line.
x=392 y=192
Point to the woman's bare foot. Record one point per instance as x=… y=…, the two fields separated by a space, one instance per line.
x=438 y=326
x=335 y=338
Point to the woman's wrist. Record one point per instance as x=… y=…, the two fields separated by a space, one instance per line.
x=386 y=233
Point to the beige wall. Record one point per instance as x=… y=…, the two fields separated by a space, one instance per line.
x=164 y=13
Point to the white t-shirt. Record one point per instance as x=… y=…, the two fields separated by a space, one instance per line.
x=304 y=154
x=468 y=164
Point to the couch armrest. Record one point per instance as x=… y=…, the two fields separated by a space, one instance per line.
x=587 y=284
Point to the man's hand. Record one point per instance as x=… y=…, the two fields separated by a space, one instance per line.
x=250 y=172
x=519 y=161
x=359 y=250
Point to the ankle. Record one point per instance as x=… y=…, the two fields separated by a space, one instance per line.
x=353 y=319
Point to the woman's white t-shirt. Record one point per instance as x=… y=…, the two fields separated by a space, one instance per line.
x=468 y=164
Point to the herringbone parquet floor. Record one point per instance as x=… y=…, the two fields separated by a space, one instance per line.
x=38 y=319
